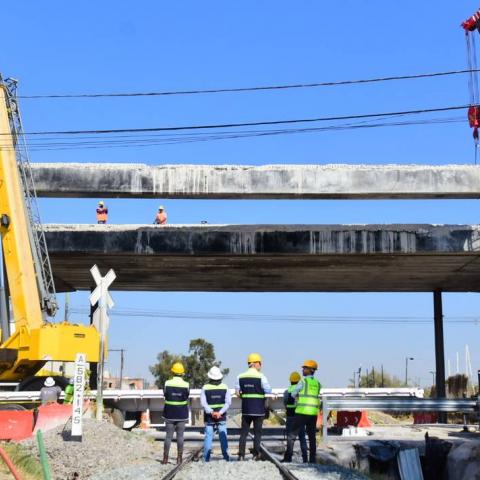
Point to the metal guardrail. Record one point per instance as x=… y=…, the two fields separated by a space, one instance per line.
x=463 y=405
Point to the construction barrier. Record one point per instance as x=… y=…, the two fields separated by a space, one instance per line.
x=424 y=417
x=353 y=419
x=16 y=425
x=51 y=416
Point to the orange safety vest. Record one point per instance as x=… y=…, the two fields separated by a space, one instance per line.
x=102 y=214
x=161 y=219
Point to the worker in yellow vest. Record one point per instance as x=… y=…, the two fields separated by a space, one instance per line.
x=307 y=395
x=290 y=405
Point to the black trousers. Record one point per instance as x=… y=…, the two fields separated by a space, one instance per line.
x=310 y=424
x=257 y=433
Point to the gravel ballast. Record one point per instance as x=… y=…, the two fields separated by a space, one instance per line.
x=104 y=448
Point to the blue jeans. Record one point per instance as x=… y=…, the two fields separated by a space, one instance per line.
x=301 y=437
x=210 y=428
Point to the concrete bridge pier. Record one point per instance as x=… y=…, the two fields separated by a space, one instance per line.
x=439 y=350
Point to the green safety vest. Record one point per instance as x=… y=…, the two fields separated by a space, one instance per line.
x=308 y=402
x=68 y=394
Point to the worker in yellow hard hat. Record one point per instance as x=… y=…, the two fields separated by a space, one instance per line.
x=251 y=387
x=307 y=396
x=176 y=413
x=290 y=406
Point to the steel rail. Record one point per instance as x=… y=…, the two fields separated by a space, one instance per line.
x=284 y=471
x=192 y=456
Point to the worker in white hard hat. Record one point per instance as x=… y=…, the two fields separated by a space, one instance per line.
x=251 y=387
x=161 y=216
x=50 y=393
x=216 y=400
x=102 y=213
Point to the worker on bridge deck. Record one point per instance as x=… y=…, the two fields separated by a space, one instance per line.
x=290 y=405
x=307 y=395
x=251 y=387
x=216 y=400
x=176 y=412
x=161 y=216
x=102 y=213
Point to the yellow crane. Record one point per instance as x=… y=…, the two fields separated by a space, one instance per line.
x=36 y=340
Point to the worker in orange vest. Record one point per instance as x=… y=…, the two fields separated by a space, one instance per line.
x=161 y=217
x=102 y=213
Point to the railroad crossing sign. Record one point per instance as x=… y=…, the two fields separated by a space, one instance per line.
x=101 y=296
x=100 y=320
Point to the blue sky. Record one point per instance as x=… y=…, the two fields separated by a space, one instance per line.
x=151 y=46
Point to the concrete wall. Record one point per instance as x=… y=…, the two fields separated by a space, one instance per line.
x=269 y=181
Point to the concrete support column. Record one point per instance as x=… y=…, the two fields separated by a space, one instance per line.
x=439 y=350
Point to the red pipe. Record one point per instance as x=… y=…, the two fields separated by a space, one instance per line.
x=10 y=464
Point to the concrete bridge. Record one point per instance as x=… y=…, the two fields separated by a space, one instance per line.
x=301 y=258
x=249 y=182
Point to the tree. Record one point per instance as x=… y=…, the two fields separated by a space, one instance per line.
x=161 y=370
x=197 y=364
x=374 y=379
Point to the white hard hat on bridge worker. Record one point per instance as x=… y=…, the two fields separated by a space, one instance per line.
x=215 y=374
x=161 y=207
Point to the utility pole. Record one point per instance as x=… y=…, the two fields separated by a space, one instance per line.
x=373 y=377
x=122 y=358
x=382 y=377
x=406 y=369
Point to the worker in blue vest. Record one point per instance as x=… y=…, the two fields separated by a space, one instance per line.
x=175 y=411
x=290 y=405
x=307 y=395
x=251 y=387
x=216 y=400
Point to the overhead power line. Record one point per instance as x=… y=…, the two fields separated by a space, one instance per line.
x=252 y=89
x=150 y=140
x=244 y=124
x=271 y=318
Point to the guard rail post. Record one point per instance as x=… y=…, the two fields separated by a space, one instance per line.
x=325 y=417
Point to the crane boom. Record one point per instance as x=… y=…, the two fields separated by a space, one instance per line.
x=27 y=264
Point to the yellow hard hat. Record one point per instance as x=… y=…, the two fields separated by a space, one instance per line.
x=178 y=368
x=310 y=364
x=254 y=357
x=295 y=377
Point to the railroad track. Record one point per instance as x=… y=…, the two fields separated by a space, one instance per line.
x=188 y=459
x=269 y=456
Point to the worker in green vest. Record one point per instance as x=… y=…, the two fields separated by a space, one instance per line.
x=176 y=412
x=69 y=392
x=307 y=395
x=290 y=405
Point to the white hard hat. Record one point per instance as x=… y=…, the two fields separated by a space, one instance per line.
x=161 y=207
x=49 y=382
x=215 y=374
